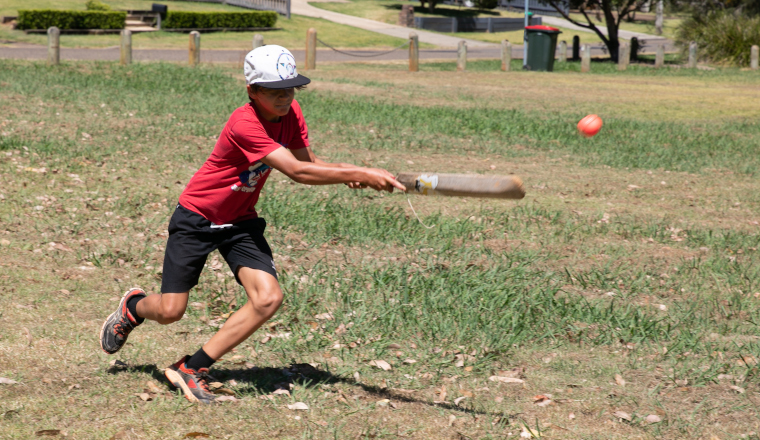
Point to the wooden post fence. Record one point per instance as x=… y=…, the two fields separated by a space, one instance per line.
x=125 y=56
x=54 y=46
x=506 y=56
x=311 y=49
x=414 y=52
x=659 y=57
x=462 y=56
x=586 y=58
x=562 y=55
x=624 y=56
x=194 y=49
x=753 y=57
x=258 y=40
x=692 y=55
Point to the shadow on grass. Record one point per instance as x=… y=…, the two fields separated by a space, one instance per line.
x=261 y=381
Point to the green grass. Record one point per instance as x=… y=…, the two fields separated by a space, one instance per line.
x=571 y=298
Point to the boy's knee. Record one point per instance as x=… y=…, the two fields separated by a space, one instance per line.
x=169 y=315
x=268 y=301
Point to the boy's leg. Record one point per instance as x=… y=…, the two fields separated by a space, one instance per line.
x=264 y=299
x=164 y=308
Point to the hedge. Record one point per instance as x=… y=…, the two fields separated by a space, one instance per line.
x=201 y=20
x=44 y=18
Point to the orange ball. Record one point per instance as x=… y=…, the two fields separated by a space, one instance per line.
x=590 y=125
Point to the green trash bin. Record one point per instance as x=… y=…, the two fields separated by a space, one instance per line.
x=542 y=43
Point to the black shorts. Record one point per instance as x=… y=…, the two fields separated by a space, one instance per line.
x=192 y=238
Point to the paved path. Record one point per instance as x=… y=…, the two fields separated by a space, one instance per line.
x=302 y=7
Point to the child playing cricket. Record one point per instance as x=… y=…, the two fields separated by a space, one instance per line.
x=217 y=211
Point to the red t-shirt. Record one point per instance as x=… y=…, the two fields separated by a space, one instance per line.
x=226 y=188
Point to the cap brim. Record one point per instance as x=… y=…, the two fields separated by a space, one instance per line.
x=299 y=80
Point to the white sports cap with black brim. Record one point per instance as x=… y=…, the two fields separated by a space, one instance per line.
x=272 y=67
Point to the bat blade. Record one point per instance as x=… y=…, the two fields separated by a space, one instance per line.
x=463 y=185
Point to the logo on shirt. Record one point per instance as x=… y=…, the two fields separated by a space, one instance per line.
x=286 y=66
x=250 y=178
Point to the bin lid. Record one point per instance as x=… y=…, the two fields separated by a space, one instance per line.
x=540 y=27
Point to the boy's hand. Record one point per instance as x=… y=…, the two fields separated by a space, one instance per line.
x=380 y=180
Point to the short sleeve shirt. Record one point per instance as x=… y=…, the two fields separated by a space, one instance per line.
x=226 y=188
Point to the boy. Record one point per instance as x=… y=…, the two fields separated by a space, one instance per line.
x=216 y=211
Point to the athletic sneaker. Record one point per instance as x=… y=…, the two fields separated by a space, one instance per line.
x=194 y=384
x=119 y=324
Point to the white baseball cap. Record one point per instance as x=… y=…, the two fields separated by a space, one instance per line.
x=273 y=67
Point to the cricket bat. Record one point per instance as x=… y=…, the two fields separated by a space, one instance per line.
x=463 y=185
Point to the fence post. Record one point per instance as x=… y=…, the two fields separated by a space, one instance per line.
x=414 y=52
x=311 y=49
x=586 y=58
x=562 y=55
x=258 y=40
x=753 y=56
x=576 y=48
x=54 y=46
x=659 y=57
x=693 y=55
x=624 y=56
x=195 y=48
x=125 y=56
x=462 y=56
x=287 y=13
x=506 y=56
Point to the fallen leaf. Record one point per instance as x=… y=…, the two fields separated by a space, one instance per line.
x=505 y=379
x=226 y=399
x=529 y=433
x=442 y=394
x=144 y=396
x=153 y=388
x=324 y=317
x=393 y=346
x=281 y=391
x=571 y=416
x=383 y=402
x=215 y=385
x=381 y=364
x=410 y=361
x=452 y=418
x=619 y=380
x=653 y=418
x=299 y=406
x=542 y=400
x=622 y=415
x=738 y=389
x=7 y=381
x=725 y=377
x=459 y=399
x=224 y=391
x=266 y=339
x=197 y=435
x=48 y=432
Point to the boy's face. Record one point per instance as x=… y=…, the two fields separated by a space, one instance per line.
x=272 y=103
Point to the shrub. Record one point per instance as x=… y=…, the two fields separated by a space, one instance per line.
x=43 y=19
x=486 y=4
x=722 y=37
x=200 y=20
x=96 y=5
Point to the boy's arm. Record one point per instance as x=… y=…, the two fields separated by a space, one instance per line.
x=307 y=155
x=313 y=173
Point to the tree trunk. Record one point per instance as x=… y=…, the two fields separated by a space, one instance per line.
x=613 y=44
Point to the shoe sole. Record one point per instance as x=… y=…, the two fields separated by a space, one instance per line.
x=176 y=380
x=103 y=327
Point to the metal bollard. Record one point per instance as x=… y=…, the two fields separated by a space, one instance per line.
x=54 y=46
x=125 y=56
x=576 y=48
x=195 y=48
x=506 y=56
x=414 y=52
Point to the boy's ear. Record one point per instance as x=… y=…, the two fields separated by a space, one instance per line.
x=251 y=94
